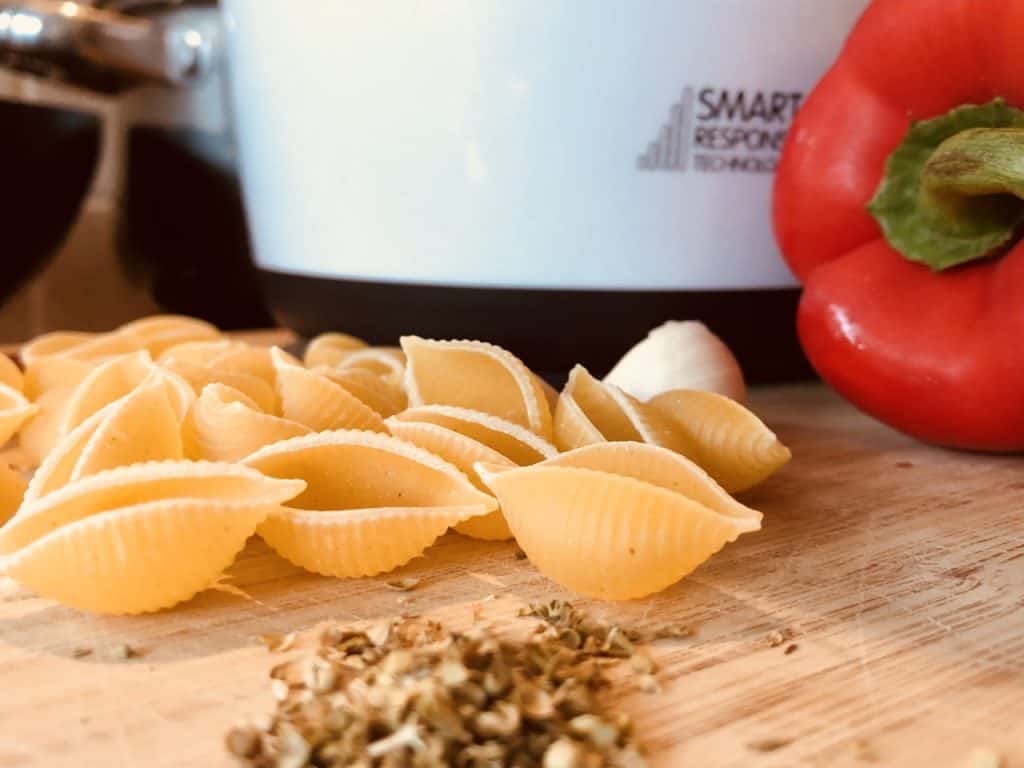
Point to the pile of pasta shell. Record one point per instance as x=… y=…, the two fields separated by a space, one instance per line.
x=140 y=461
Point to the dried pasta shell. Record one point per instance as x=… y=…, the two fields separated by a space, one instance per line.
x=330 y=349
x=251 y=361
x=372 y=502
x=160 y=332
x=726 y=439
x=510 y=440
x=317 y=402
x=590 y=411
x=142 y=558
x=123 y=487
x=104 y=384
x=475 y=375
x=225 y=425
x=200 y=353
x=12 y=489
x=463 y=452
x=622 y=534
x=50 y=344
x=139 y=427
x=381 y=394
x=47 y=373
x=386 y=362
x=10 y=374
x=15 y=410
x=253 y=387
x=42 y=431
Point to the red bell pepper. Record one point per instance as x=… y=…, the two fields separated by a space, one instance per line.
x=897 y=204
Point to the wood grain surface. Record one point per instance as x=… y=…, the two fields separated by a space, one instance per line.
x=898 y=568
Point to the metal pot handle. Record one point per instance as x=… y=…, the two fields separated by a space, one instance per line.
x=131 y=47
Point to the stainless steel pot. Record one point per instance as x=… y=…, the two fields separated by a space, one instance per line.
x=110 y=45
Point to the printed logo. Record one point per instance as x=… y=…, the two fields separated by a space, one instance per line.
x=716 y=130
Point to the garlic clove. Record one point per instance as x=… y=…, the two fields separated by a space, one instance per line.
x=679 y=355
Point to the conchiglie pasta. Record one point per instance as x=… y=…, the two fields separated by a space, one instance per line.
x=138 y=538
x=386 y=362
x=225 y=425
x=511 y=440
x=12 y=490
x=52 y=345
x=462 y=452
x=617 y=521
x=253 y=387
x=15 y=410
x=590 y=411
x=478 y=376
x=378 y=392
x=139 y=427
x=49 y=373
x=10 y=374
x=330 y=349
x=315 y=401
x=372 y=502
x=729 y=441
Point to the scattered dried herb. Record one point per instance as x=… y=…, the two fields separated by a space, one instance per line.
x=768 y=745
x=778 y=637
x=80 y=653
x=409 y=693
x=791 y=648
x=120 y=652
x=407 y=584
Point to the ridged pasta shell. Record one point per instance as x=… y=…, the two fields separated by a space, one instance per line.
x=250 y=360
x=12 y=490
x=15 y=410
x=381 y=394
x=160 y=332
x=199 y=353
x=372 y=502
x=47 y=373
x=10 y=374
x=225 y=425
x=253 y=387
x=104 y=384
x=463 y=452
x=42 y=431
x=122 y=487
x=386 y=362
x=140 y=558
x=726 y=439
x=617 y=535
x=93 y=347
x=590 y=411
x=478 y=376
x=510 y=440
x=317 y=402
x=139 y=427
x=50 y=344
x=330 y=349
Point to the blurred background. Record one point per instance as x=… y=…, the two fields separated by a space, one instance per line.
x=122 y=182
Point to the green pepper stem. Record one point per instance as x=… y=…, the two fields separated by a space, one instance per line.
x=978 y=161
x=953 y=190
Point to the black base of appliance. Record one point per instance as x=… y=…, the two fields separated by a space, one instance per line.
x=49 y=159
x=549 y=329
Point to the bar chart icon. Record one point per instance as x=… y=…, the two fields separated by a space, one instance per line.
x=670 y=150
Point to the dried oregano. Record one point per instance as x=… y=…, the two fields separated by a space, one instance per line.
x=409 y=693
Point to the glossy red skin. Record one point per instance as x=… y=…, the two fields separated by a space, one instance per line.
x=937 y=355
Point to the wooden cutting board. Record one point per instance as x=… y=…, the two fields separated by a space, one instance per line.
x=898 y=569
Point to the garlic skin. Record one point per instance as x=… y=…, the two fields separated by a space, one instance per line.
x=679 y=355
